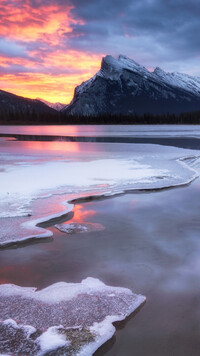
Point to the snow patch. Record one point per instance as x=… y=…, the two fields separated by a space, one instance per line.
x=76 y=228
x=52 y=340
x=179 y=80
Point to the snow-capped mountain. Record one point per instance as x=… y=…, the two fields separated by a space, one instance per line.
x=124 y=86
x=55 y=106
x=12 y=104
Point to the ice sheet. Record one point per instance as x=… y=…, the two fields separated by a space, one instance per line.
x=73 y=317
x=35 y=191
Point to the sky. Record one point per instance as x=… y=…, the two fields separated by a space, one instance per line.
x=48 y=47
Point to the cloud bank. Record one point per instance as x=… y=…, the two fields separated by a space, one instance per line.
x=48 y=47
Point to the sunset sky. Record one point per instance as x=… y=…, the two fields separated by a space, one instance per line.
x=47 y=47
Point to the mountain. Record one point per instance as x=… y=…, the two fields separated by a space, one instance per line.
x=55 y=106
x=13 y=104
x=122 y=86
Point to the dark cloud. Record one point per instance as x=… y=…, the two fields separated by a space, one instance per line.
x=101 y=10
x=157 y=30
x=154 y=32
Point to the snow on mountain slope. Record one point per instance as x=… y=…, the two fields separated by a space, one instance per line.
x=180 y=80
x=111 y=66
x=124 y=86
x=176 y=79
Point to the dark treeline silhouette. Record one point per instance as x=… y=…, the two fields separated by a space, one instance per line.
x=58 y=118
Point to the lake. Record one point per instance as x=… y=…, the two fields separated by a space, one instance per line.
x=149 y=241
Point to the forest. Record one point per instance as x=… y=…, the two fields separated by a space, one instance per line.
x=59 y=118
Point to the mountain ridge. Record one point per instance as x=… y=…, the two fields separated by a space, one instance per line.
x=122 y=86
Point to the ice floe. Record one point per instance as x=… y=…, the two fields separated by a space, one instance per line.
x=76 y=228
x=68 y=318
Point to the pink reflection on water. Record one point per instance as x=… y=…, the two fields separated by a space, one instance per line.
x=20 y=275
x=81 y=221
x=53 y=146
x=82 y=214
x=86 y=150
x=52 y=130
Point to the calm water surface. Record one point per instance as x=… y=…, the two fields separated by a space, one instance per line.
x=105 y=130
x=151 y=244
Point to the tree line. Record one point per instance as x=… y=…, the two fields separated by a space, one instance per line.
x=59 y=118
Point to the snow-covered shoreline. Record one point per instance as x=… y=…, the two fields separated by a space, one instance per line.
x=25 y=185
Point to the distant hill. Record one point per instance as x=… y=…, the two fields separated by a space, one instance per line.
x=122 y=86
x=12 y=105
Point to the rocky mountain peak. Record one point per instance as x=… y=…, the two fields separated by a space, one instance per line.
x=159 y=71
x=112 y=67
x=122 y=86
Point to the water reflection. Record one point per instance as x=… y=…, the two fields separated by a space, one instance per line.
x=51 y=147
x=106 y=130
x=83 y=213
x=55 y=130
x=143 y=249
x=55 y=148
x=151 y=245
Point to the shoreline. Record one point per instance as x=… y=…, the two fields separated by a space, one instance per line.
x=83 y=199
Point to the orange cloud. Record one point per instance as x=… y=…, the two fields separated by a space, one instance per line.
x=19 y=20
x=49 y=86
x=48 y=70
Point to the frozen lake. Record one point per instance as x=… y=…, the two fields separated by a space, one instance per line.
x=146 y=240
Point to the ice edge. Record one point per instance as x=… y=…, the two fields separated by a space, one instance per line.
x=102 y=330
x=103 y=195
